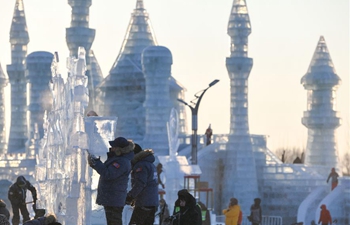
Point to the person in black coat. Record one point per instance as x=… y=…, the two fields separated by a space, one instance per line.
x=144 y=187
x=3 y=210
x=17 y=195
x=186 y=211
x=198 y=208
x=49 y=219
x=114 y=177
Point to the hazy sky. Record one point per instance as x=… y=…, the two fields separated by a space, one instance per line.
x=284 y=37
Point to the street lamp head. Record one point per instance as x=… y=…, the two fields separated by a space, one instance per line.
x=213 y=83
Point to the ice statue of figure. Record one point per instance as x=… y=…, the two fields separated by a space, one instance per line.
x=57 y=84
x=173 y=134
x=175 y=177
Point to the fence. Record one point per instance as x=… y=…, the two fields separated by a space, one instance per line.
x=266 y=220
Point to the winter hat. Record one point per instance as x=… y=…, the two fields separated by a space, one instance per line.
x=137 y=149
x=122 y=146
x=3 y=220
x=119 y=142
x=50 y=218
x=91 y=113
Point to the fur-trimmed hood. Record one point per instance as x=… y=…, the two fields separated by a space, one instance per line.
x=121 y=151
x=2 y=204
x=143 y=155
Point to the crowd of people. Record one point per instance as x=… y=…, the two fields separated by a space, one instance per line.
x=126 y=158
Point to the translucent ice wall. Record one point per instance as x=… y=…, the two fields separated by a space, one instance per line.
x=61 y=171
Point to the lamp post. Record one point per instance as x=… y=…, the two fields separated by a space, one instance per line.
x=194 y=111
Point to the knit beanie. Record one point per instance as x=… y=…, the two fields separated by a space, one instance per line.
x=137 y=149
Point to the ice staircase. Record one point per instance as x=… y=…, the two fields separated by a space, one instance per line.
x=336 y=201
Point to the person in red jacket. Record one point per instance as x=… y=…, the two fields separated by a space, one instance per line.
x=325 y=216
x=334 y=178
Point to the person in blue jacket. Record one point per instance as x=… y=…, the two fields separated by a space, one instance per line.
x=144 y=187
x=114 y=177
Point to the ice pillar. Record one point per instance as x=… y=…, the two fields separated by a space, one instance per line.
x=3 y=84
x=240 y=172
x=19 y=40
x=321 y=119
x=156 y=63
x=40 y=99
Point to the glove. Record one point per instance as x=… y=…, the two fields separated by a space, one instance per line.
x=170 y=218
x=92 y=160
x=129 y=200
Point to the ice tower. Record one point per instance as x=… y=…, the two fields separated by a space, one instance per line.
x=3 y=84
x=38 y=77
x=80 y=35
x=321 y=119
x=156 y=64
x=123 y=90
x=19 y=39
x=240 y=171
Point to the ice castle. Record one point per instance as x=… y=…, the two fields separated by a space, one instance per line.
x=49 y=149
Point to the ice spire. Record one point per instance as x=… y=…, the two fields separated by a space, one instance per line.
x=239 y=150
x=139 y=5
x=123 y=91
x=19 y=39
x=239 y=28
x=80 y=35
x=139 y=35
x=3 y=84
x=321 y=119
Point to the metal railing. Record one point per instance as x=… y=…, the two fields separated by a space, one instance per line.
x=266 y=220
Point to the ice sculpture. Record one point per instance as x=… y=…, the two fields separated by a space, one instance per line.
x=64 y=178
x=321 y=117
x=175 y=167
x=62 y=173
x=79 y=34
x=173 y=134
